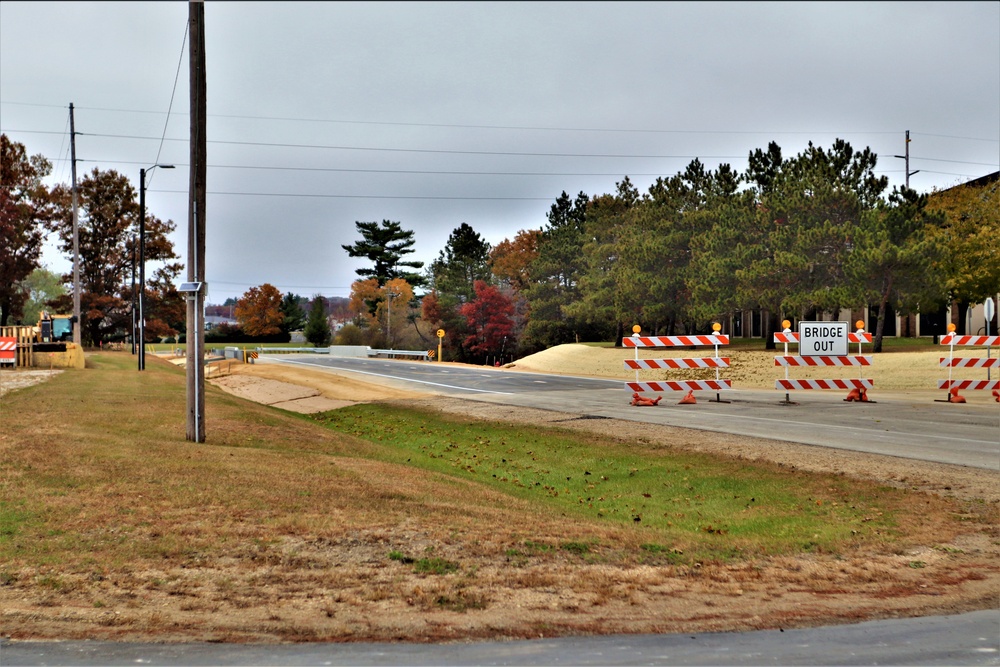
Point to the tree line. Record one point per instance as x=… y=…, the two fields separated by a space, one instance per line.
x=798 y=236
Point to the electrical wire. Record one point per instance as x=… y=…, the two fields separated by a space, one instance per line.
x=173 y=92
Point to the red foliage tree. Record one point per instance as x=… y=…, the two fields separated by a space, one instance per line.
x=24 y=209
x=490 y=318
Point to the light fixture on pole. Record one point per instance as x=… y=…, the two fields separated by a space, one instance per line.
x=142 y=261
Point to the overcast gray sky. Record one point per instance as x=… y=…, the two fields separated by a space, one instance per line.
x=433 y=114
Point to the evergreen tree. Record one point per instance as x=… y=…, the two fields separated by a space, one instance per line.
x=554 y=275
x=291 y=310
x=463 y=261
x=385 y=245
x=317 y=329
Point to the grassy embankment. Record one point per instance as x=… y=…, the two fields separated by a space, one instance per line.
x=97 y=476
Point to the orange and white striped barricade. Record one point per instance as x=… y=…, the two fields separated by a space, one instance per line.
x=857 y=387
x=951 y=339
x=683 y=363
x=8 y=351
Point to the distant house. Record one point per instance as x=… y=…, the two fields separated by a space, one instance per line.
x=212 y=321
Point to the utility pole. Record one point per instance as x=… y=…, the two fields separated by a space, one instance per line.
x=196 y=227
x=142 y=261
x=134 y=296
x=76 y=232
x=906 y=157
x=142 y=270
x=388 y=317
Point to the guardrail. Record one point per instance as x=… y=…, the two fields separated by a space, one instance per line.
x=417 y=354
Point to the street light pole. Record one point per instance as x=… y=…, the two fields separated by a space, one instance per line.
x=142 y=262
x=134 y=295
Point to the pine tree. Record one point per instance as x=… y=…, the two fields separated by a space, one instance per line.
x=317 y=329
x=385 y=245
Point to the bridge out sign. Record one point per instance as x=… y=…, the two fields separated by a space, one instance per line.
x=823 y=338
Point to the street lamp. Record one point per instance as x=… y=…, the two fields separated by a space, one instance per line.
x=142 y=261
x=135 y=295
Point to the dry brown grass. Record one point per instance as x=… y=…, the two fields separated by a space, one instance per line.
x=277 y=530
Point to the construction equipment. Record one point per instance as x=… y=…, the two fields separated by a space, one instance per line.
x=52 y=344
x=53 y=332
x=47 y=344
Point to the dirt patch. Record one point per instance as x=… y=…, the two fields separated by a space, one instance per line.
x=11 y=379
x=301 y=389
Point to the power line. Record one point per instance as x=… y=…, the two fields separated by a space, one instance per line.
x=951 y=136
x=396 y=171
x=455 y=152
x=435 y=151
x=478 y=126
x=519 y=127
x=173 y=92
x=327 y=196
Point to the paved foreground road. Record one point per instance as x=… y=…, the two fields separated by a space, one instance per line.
x=968 y=639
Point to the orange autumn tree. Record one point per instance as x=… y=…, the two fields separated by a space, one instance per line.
x=371 y=302
x=259 y=311
x=510 y=259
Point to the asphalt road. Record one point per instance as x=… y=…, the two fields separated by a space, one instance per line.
x=910 y=425
x=968 y=639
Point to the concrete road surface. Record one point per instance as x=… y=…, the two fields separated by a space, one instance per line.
x=966 y=639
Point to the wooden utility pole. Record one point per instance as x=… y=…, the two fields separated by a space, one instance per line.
x=906 y=158
x=196 y=227
x=76 y=231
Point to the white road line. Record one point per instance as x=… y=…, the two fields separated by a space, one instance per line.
x=391 y=377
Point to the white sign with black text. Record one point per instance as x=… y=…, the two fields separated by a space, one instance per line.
x=823 y=338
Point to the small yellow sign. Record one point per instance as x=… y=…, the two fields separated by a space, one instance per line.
x=440 y=333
